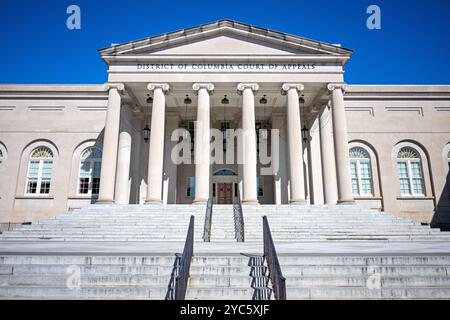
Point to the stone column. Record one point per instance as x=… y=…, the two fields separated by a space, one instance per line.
x=281 y=177
x=110 y=140
x=249 y=142
x=202 y=142
x=328 y=158
x=344 y=181
x=295 y=143
x=170 y=168
x=156 y=149
x=123 y=168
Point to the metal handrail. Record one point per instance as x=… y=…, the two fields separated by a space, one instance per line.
x=208 y=221
x=238 y=219
x=181 y=280
x=270 y=254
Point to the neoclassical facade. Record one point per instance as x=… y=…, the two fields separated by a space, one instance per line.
x=225 y=111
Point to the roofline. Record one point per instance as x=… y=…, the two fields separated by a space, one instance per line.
x=53 y=88
x=226 y=23
x=402 y=88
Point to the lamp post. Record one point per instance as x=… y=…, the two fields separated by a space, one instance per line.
x=264 y=133
x=186 y=134
x=305 y=129
x=146 y=130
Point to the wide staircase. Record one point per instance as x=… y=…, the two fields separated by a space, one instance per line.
x=224 y=269
x=334 y=223
x=366 y=277
x=63 y=276
x=115 y=223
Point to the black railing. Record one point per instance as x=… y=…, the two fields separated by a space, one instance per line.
x=208 y=221
x=238 y=219
x=182 y=278
x=270 y=254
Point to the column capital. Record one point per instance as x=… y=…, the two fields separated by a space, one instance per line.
x=164 y=86
x=334 y=86
x=119 y=86
x=242 y=86
x=287 y=86
x=208 y=86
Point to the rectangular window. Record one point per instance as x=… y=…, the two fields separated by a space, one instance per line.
x=259 y=187
x=366 y=178
x=354 y=174
x=33 y=174
x=236 y=190
x=416 y=174
x=214 y=189
x=190 y=191
x=404 y=178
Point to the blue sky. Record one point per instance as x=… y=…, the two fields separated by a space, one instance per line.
x=411 y=48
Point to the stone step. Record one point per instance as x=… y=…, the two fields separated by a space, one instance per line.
x=89 y=280
x=365 y=293
x=219 y=293
x=61 y=293
x=385 y=282
x=349 y=270
x=364 y=260
x=87 y=260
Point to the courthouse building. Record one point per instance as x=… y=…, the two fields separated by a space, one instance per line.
x=69 y=146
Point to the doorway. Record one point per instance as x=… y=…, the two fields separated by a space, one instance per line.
x=225 y=193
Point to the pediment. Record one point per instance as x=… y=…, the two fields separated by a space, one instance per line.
x=224 y=38
x=224 y=44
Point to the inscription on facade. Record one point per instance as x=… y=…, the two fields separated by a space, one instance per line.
x=226 y=67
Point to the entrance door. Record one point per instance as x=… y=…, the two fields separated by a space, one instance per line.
x=225 y=194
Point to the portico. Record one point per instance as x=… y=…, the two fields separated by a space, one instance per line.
x=232 y=63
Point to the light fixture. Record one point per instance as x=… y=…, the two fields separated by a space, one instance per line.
x=225 y=100
x=146 y=130
x=305 y=130
x=263 y=131
x=263 y=100
x=146 y=133
x=223 y=128
x=305 y=134
x=186 y=134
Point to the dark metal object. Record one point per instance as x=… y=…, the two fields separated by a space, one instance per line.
x=208 y=220
x=270 y=254
x=181 y=280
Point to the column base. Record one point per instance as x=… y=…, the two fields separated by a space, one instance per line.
x=200 y=201
x=250 y=201
x=153 y=201
x=298 y=201
x=346 y=202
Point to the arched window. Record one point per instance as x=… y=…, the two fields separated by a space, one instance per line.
x=90 y=167
x=361 y=172
x=1 y=156
x=40 y=171
x=409 y=167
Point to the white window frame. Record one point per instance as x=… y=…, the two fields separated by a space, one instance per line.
x=408 y=162
x=358 y=173
x=358 y=177
x=39 y=176
x=91 y=178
